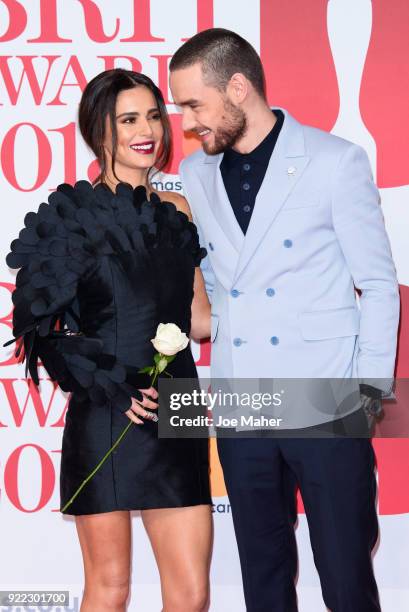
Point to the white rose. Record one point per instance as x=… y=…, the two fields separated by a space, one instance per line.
x=169 y=339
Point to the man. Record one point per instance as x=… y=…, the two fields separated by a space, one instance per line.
x=291 y=220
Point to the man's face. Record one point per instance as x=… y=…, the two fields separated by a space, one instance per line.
x=206 y=111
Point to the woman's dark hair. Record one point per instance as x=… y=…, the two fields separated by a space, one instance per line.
x=99 y=101
x=221 y=54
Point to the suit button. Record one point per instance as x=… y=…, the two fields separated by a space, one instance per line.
x=211 y=247
x=246 y=167
x=234 y=293
x=270 y=292
x=288 y=244
x=246 y=186
x=247 y=208
x=274 y=340
x=237 y=342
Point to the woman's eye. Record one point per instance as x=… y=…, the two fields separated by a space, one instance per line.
x=129 y=120
x=155 y=117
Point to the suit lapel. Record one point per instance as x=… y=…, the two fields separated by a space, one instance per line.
x=286 y=166
x=218 y=200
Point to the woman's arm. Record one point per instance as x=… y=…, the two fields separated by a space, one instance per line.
x=54 y=253
x=200 y=309
x=200 y=325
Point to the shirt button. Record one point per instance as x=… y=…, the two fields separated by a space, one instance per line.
x=211 y=247
x=246 y=167
x=237 y=342
x=288 y=244
x=234 y=293
x=247 y=208
x=246 y=186
x=270 y=292
x=274 y=340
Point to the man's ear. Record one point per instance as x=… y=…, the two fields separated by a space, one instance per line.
x=238 y=87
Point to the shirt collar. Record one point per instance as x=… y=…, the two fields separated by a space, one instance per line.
x=262 y=153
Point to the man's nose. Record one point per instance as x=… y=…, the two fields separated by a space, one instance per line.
x=188 y=122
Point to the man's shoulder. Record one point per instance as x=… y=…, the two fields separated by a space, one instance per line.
x=318 y=140
x=322 y=139
x=193 y=160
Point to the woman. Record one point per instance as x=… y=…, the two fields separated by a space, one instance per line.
x=101 y=267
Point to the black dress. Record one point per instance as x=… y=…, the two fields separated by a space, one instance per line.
x=99 y=272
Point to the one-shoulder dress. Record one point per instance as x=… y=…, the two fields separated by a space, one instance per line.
x=98 y=272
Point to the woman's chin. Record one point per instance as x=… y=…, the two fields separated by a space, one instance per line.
x=135 y=165
x=145 y=162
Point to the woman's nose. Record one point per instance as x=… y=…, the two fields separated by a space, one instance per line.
x=145 y=127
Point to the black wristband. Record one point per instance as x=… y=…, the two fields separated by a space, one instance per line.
x=370 y=391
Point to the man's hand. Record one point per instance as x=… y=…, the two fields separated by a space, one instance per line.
x=371 y=403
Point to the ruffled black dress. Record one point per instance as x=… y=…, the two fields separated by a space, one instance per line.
x=99 y=272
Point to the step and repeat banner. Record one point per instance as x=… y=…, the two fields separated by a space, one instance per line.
x=340 y=65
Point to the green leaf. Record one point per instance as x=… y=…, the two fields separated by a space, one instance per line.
x=147 y=370
x=162 y=364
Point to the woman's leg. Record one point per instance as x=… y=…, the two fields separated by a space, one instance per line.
x=105 y=541
x=181 y=539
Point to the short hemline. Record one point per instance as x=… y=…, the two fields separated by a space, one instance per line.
x=204 y=502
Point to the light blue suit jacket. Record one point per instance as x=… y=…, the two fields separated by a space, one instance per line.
x=283 y=297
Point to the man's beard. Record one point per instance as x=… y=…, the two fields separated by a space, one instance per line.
x=233 y=128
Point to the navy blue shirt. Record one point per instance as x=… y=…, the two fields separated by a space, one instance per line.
x=243 y=174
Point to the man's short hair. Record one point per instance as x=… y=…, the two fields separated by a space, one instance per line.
x=221 y=54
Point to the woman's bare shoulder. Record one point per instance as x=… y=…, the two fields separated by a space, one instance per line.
x=178 y=200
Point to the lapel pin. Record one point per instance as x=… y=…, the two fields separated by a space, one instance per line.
x=291 y=170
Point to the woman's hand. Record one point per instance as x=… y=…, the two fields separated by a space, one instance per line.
x=138 y=407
